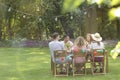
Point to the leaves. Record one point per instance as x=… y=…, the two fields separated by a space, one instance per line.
x=113 y=13
x=70 y=5
x=115 y=2
x=116 y=51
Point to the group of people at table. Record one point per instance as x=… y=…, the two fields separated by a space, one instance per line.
x=91 y=41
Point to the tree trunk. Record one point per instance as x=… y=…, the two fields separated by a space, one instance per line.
x=9 y=28
x=1 y=30
x=91 y=22
x=67 y=28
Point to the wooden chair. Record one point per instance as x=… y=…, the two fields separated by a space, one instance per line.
x=82 y=70
x=106 y=60
x=52 y=66
x=98 y=61
x=60 y=54
x=88 y=62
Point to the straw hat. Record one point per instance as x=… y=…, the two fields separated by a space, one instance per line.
x=96 y=37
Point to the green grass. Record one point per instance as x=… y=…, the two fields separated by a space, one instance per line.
x=34 y=64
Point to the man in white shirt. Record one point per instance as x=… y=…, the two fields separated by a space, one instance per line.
x=67 y=43
x=55 y=45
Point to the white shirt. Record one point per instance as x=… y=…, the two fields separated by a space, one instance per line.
x=67 y=45
x=95 y=45
x=55 y=45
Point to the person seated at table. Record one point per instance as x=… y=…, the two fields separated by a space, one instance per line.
x=97 y=44
x=88 y=40
x=55 y=44
x=67 y=46
x=88 y=45
x=67 y=43
x=79 y=44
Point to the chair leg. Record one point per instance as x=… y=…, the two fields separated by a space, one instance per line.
x=52 y=67
x=85 y=69
x=51 y=64
x=73 y=67
x=55 y=69
x=92 y=68
x=67 y=69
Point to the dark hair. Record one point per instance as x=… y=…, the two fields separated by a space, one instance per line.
x=55 y=35
x=65 y=36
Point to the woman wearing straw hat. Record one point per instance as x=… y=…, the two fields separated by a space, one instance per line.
x=97 y=41
x=97 y=44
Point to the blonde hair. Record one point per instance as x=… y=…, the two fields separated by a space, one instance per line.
x=79 y=42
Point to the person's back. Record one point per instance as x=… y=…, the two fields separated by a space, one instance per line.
x=97 y=41
x=55 y=45
x=79 y=44
x=97 y=44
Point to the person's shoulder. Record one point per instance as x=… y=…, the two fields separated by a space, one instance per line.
x=61 y=41
x=51 y=42
x=92 y=43
x=71 y=42
x=101 y=42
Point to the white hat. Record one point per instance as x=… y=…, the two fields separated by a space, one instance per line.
x=96 y=37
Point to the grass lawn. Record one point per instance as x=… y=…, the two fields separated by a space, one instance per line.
x=34 y=64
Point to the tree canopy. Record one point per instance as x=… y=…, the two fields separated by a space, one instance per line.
x=38 y=19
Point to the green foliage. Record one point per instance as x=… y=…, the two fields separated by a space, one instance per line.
x=114 y=13
x=70 y=5
x=36 y=19
x=116 y=51
x=115 y=2
x=109 y=28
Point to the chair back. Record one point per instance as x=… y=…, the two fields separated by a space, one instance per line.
x=60 y=53
x=98 y=52
x=80 y=53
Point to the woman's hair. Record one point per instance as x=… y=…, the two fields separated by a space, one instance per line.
x=98 y=43
x=88 y=34
x=79 y=41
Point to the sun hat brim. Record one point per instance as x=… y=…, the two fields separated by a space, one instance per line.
x=98 y=39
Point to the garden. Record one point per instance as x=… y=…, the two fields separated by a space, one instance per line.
x=34 y=64
x=26 y=27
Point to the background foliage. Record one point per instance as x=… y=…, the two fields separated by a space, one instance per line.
x=38 y=19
